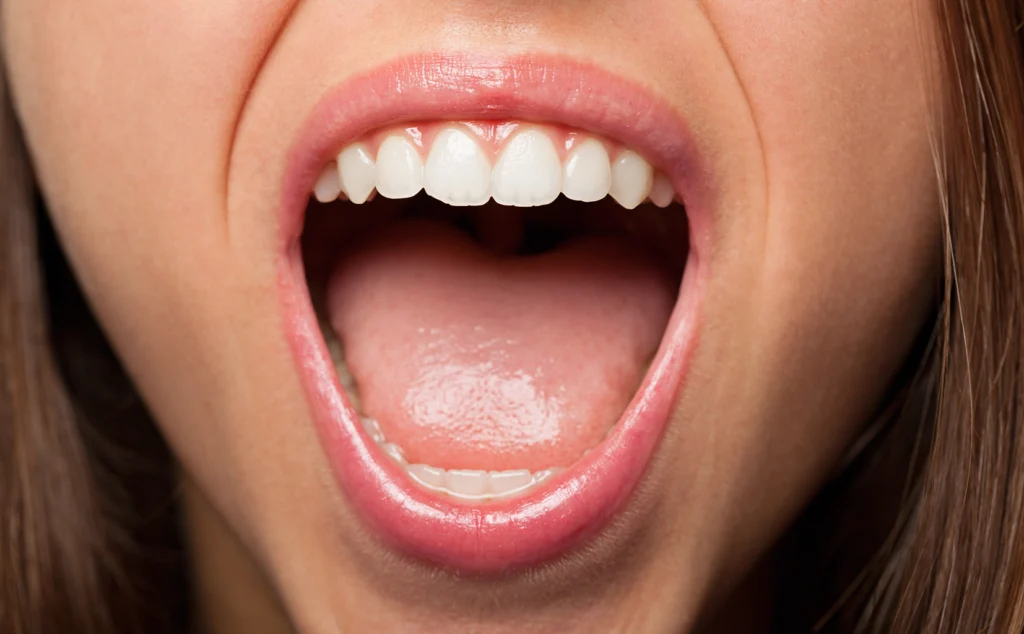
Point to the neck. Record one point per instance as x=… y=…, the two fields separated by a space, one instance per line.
x=750 y=608
x=229 y=592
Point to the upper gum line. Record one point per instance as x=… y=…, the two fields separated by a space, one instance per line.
x=491 y=137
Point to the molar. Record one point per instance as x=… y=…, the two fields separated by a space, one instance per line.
x=327 y=187
x=661 y=191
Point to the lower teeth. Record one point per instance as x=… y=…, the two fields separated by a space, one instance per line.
x=464 y=484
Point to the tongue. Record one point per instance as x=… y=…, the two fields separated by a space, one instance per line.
x=469 y=360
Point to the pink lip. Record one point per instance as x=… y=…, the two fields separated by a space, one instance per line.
x=537 y=527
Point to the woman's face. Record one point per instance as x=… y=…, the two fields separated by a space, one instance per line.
x=177 y=145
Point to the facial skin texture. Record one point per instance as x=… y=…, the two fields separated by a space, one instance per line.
x=159 y=132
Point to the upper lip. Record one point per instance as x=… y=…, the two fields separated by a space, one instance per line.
x=545 y=523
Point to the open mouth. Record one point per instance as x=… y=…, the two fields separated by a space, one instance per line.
x=491 y=292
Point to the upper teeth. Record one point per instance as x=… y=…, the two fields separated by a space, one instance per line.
x=357 y=173
x=457 y=170
x=529 y=171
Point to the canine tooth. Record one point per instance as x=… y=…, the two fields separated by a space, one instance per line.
x=357 y=172
x=399 y=168
x=426 y=475
x=327 y=186
x=632 y=178
x=466 y=482
x=661 y=191
x=502 y=482
x=529 y=172
x=457 y=172
x=588 y=172
x=372 y=428
x=394 y=451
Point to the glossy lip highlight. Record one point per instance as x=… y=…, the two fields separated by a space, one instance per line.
x=503 y=535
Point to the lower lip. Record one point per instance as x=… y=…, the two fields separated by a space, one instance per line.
x=498 y=536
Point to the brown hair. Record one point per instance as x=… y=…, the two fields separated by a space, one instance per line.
x=88 y=540
x=943 y=488
x=87 y=534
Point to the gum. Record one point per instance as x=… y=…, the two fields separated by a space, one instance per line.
x=492 y=136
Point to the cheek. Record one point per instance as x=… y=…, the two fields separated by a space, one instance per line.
x=826 y=280
x=129 y=109
x=851 y=237
x=846 y=251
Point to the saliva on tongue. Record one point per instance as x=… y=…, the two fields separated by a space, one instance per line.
x=471 y=360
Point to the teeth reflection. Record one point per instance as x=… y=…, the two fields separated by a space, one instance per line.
x=465 y=484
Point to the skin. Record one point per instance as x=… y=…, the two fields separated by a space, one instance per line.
x=159 y=132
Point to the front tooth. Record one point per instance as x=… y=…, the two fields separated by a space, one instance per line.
x=507 y=481
x=632 y=178
x=457 y=172
x=466 y=482
x=357 y=172
x=529 y=172
x=662 y=192
x=588 y=172
x=399 y=168
x=327 y=187
x=432 y=477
